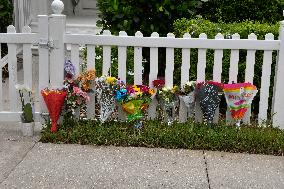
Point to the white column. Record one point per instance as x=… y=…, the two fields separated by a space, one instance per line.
x=278 y=100
x=57 y=24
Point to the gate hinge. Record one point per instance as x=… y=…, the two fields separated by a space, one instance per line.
x=45 y=43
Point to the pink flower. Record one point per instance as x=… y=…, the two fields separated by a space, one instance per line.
x=77 y=90
x=85 y=96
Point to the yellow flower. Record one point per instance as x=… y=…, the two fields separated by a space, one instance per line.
x=139 y=94
x=136 y=89
x=151 y=91
x=175 y=89
x=111 y=80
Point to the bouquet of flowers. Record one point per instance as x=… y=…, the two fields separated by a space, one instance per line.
x=86 y=80
x=54 y=99
x=76 y=98
x=134 y=99
x=208 y=95
x=187 y=95
x=105 y=89
x=239 y=97
x=168 y=99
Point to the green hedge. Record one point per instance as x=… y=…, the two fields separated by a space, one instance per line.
x=146 y=16
x=197 y=26
x=189 y=135
x=6 y=18
x=240 y=10
x=6 y=13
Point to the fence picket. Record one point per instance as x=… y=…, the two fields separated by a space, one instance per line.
x=12 y=67
x=75 y=58
x=106 y=56
x=201 y=66
x=233 y=72
x=152 y=76
x=27 y=61
x=91 y=56
x=153 y=62
x=169 y=64
x=122 y=56
x=1 y=89
x=183 y=110
x=249 y=74
x=138 y=67
x=43 y=60
x=91 y=106
x=201 y=61
x=217 y=70
x=265 y=82
x=234 y=60
x=185 y=62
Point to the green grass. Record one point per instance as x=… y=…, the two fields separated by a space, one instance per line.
x=257 y=140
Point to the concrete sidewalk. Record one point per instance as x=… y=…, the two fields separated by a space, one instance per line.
x=25 y=163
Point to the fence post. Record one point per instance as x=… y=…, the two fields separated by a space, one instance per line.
x=57 y=24
x=278 y=100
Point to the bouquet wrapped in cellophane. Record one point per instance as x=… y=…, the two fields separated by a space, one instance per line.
x=167 y=98
x=54 y=100
x=239 y=97
x=105 y=89
x=187 y=95
x=134 y=100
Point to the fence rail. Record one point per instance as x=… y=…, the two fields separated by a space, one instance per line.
x=51 y=60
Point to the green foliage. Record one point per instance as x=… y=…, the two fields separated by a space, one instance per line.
x=6 y=13
x=146 y=16
x=240 y=10
x=197 y=26
x=27 y=115
x=6 y=18
x=258 y=140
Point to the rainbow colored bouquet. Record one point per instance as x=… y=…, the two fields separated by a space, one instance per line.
x=134 y=99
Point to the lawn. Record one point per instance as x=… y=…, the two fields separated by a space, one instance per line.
x=153 y=134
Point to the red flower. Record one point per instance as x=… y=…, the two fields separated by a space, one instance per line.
x=143 y=88
x=159 y=83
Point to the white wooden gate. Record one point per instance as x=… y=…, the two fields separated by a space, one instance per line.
x=52 y=39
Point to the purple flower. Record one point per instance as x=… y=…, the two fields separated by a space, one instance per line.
x=69 y=68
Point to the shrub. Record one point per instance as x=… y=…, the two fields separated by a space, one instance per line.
x=146 y=16
x=197 y=26
x=240 y=10
x=188 y=135
x=6 y=18
x=6 y=13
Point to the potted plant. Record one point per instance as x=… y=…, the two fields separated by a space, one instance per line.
x=27 y=116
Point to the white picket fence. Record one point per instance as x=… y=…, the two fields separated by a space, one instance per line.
x=52 y=40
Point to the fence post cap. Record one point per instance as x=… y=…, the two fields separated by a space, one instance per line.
x=57 y=6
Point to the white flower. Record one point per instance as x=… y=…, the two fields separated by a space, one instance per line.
x=19 y=87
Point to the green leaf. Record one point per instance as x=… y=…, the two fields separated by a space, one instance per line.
x=28 y=113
